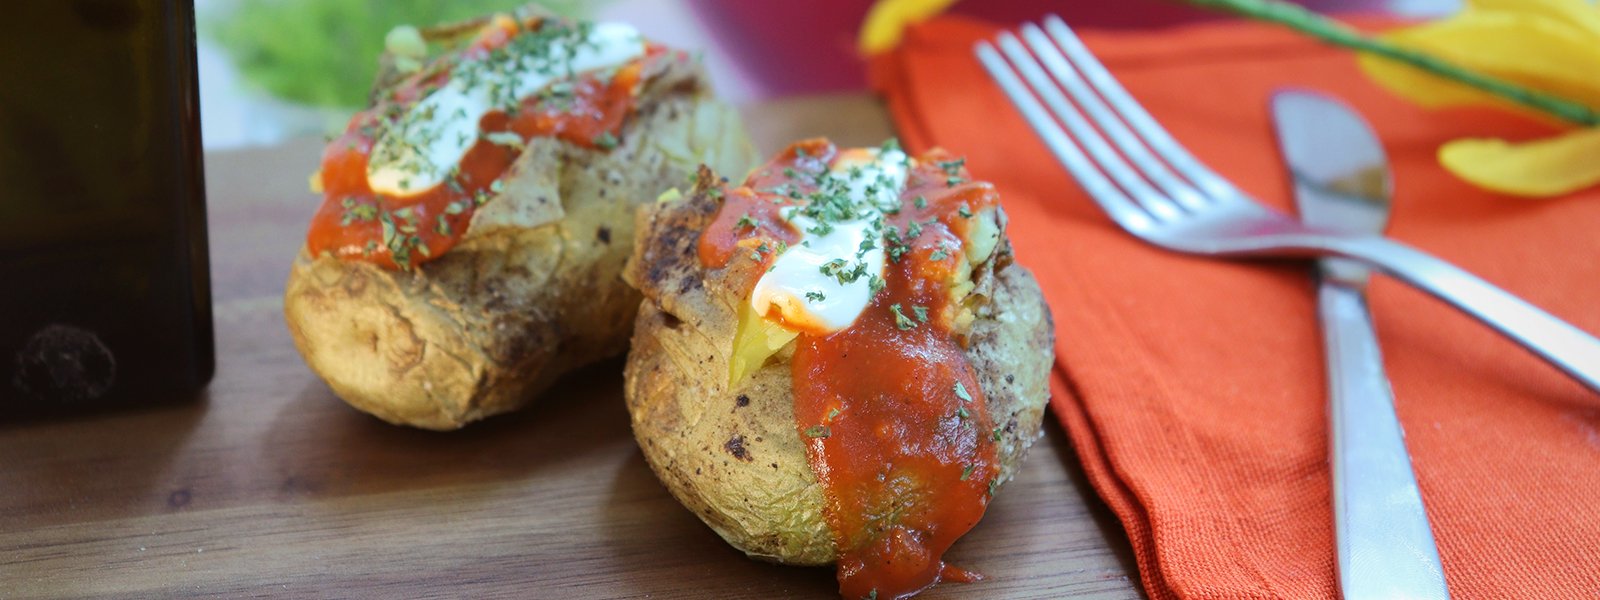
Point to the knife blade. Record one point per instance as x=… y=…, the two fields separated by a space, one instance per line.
x=1341 y=178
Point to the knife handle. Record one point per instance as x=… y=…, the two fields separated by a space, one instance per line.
x=1568 y=348
x=1385 y=546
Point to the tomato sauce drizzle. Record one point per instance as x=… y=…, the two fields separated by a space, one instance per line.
x=356 y=223
x=893 y=418
x=751 y=214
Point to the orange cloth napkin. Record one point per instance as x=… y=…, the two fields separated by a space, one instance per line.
x=1194 y=389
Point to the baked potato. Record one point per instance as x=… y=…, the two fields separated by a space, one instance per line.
x=442 y=296
x=717 y=379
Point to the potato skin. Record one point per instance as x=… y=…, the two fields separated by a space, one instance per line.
x=734 y=456
x=531 y=292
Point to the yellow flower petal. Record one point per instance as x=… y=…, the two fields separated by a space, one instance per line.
x=1577 y=13
x=1525 y=48
x=886 y=22
x=1540 y=168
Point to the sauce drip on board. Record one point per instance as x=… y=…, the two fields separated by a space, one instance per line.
x=357 y=223
x=891 y=412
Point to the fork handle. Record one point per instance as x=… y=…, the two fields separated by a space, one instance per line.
x=1568 y=348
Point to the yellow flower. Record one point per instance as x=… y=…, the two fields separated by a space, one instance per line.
x=1548 y=45
x=887 y=21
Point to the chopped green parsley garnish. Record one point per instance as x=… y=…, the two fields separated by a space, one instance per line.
x=900 y=318
x=832 y=267
x=399 y=235
x=866 y=244
x=818 y=431
x=836 y=269
x=605 y=141
x=920 y=202
x=966 y=213
x=815 y=296
x=896 y=249
x=952 y=167
x=966 y=473
x=961 y=392
x=357 y=211
x=938 y=254
x=921 y=312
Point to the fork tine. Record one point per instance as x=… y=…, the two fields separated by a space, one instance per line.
x=1110 y=162
x=1112 y=200
x=1135 y=151
x=1135 y=115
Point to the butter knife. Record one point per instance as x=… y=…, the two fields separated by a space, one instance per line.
x=1341 y=179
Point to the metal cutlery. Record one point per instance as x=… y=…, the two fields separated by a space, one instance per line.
x=1168 y=198
x=1385 y=547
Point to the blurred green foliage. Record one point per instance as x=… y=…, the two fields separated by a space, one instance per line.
x=325 y=52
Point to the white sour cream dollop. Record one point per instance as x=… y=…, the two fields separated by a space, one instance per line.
x=797 y=285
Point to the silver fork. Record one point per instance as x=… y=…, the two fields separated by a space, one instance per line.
x=1168 y=198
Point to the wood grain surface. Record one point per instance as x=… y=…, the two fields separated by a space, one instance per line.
x=270 y=486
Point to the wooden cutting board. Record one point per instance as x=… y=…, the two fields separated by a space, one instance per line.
x=270 y=486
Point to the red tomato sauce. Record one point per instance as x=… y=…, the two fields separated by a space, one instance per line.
x=751 y=215
x=893 y=417
x=356 y=223
x=746 y=221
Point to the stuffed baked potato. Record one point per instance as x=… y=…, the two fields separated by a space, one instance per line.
x=931 y=382
x=477 y=217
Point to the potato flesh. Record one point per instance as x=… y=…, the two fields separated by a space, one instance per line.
x=757 y=340
x=982 y=236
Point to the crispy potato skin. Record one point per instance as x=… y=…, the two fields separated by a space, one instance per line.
x=531 y=292
x=734 y=456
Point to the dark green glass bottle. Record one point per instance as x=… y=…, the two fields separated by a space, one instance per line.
x=104 y=279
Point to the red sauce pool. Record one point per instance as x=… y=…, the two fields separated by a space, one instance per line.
x=893 y=417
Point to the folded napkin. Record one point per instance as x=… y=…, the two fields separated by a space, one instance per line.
x=1193 y=389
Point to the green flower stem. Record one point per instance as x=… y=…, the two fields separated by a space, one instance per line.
x=1334 y=32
